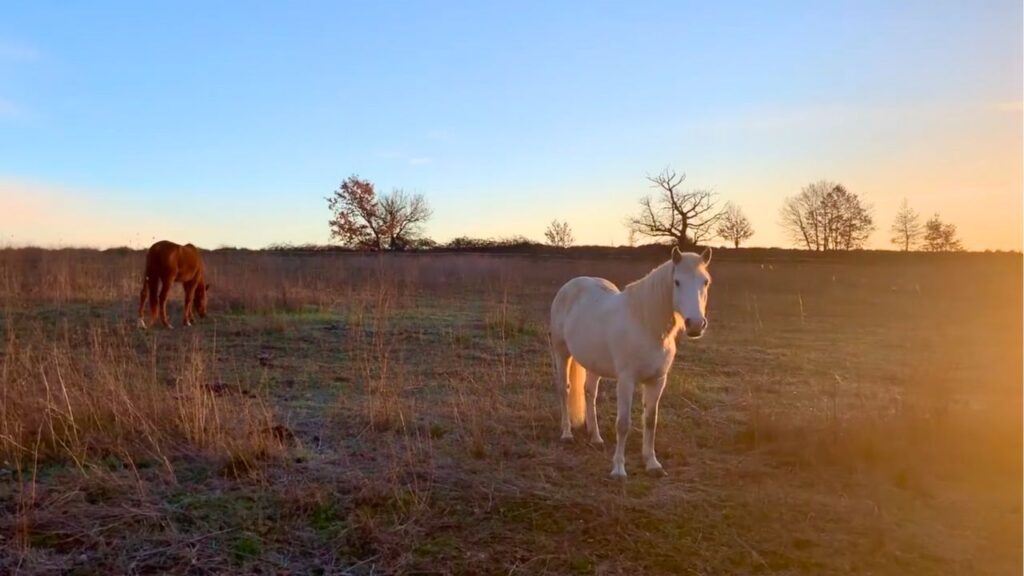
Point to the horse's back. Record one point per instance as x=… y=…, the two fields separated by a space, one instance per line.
x=582 y=292
x=583 y=313
x=581 y=288
x=169 y=259
x=190 y=256
x=160 y=256
x=162 y=249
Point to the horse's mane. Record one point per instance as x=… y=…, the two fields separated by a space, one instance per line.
x=650 y=301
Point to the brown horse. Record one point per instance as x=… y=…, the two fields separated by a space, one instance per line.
x=167 y=263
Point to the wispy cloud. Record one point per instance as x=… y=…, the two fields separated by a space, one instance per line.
x=1010 y=106
x=783 y=119
x=9 y=109
x=44 y=214
x=440 y=135
x=410 y=159
x=11 y=51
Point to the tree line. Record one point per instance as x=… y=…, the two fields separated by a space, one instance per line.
x=823 y=216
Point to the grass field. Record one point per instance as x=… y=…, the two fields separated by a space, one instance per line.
x=363 y=414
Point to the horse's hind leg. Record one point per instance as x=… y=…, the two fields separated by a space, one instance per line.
x=165 y=289
x=153 y=288
x=142 y=301
x=592 y=383
x=560 y=362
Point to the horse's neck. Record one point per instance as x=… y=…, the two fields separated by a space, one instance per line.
x=650 y=299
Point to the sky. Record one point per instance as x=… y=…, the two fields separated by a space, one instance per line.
x=228 y=123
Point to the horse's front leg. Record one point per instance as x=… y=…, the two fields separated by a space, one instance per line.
x=652 y=395
x=624 y=394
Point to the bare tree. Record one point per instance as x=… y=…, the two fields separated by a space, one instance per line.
x=403 y=216
x=687 y=217
x=827 y=216
x=940 y=236
x=734 y=226
x=362 y=220
x=849 y=221
x=559 y=234
x=906 y=228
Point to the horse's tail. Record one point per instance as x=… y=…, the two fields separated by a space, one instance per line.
x=577 y=398
x=142 y=299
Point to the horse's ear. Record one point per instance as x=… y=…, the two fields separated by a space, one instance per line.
x=706 y=255
x=676 y=255
x=207 y=287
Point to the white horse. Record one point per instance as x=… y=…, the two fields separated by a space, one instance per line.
x=599 y=332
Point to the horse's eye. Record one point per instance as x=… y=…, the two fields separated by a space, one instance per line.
x=677 y=282
x=707 y=282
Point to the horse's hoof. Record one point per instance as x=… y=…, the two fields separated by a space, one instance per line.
x=565 y=439
x=597 y=443
x=141 y=324
x=657 y=472
x=619 y=475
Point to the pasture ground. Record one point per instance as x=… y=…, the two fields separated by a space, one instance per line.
x=376 y=415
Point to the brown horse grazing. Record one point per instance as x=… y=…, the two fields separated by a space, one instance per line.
x=167 y=263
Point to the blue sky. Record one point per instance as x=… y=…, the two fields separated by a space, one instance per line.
x=227 y=123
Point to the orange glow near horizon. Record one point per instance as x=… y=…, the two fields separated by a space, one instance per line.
x=970 y=170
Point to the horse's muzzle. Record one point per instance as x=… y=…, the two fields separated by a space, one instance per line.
x=695 y=328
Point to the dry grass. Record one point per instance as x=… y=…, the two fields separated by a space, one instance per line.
x=344 y=413
x=86 y=394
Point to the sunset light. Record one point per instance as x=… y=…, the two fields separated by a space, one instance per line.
x=658 y=287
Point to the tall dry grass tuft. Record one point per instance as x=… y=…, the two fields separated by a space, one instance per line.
x=371 y=341
x=90 y=395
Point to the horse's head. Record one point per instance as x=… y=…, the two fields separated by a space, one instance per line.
x=201 y=291
x=691 y=281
